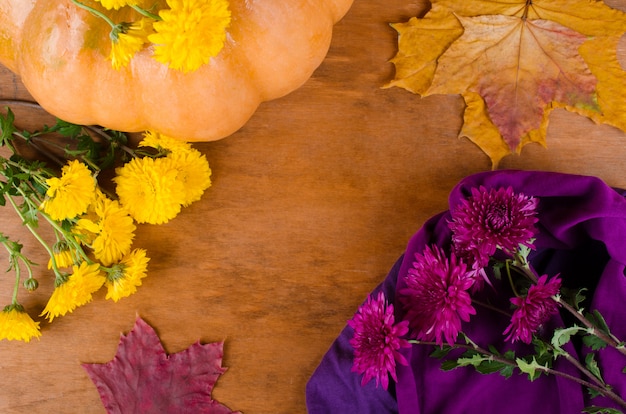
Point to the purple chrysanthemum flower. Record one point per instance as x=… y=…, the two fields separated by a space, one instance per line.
x=492 y=219
x=376 y=341
x=533 y=310
x=435 y=298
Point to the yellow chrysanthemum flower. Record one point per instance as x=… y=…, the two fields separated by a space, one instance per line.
x=76 y=291
x=83 y=235
x=126 y=276
x=190 y=32
x=69 y=195
x=163 y=142
x=64 y=255
x=16 y=324
x=194 y=172
x=117 y=4
x=112 y=231
x=129 y=40
x=149 y=190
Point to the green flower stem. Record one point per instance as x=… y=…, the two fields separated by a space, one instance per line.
x=602 y=389
x=36 y=137
x=69 y=238
x=14 y=258
x=17 y=270
x=507 y=264
x=43 y=243
x=579 y=366
x=145 y=12
x=36 y=174
x=608 y=338
x=566 y=355
x=525 y=268
x=99 y=131
x=57 y=228
x=491 y=307
x=34 y=140
x=95 y=13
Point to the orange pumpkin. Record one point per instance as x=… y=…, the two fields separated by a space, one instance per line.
x=61 y=53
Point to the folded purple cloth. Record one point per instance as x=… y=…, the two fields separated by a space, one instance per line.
x=582 y=236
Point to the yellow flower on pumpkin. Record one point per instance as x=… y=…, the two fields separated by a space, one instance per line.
x=190 y=32
x=125 y=277
x=112 y=231
x=69 y=195
x=75 y=291
x=128 y=39
x=149 y=190
x=194 y=172
x=163 y=142
x=117 y=4
x=16 y=324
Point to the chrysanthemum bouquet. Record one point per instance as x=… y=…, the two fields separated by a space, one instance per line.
x=486 y=270
x=184 y=35
x=93 y=229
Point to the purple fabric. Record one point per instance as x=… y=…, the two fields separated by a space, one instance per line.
x=582 y=224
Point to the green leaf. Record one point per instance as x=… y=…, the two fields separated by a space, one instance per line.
x=507 y=371
x=117 y=137
x=524 y=251
x=441 y=352
x=497 y=270
x=491 y=366
x=593 y=393
x=541 y=348
x=14 y=246
x=66 y=129
x=30 y=216
x=596 y=318
x=533 y=368
x=600 y=410
x=8 y=128
x=493 y=349
x=564 y=335
x=594 y=342
x=475 y=360
x=592 y=366
x=449 y=365
x=574 y=297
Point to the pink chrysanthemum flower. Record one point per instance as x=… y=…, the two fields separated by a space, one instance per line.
x=533 y=310
x=376 y=341
x=492 y=219
x=435 y=298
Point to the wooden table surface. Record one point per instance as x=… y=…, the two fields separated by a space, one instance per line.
x=312 y=202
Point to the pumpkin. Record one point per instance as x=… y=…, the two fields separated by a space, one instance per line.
x=61 y=53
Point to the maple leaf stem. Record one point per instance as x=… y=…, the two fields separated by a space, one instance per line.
x=526 y=7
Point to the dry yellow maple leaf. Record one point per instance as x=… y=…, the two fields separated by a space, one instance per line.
x=513 y=61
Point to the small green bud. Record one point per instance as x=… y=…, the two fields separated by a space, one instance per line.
x=117 y=271
x=31 y=284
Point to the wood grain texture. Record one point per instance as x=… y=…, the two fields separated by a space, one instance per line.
x=312 y=202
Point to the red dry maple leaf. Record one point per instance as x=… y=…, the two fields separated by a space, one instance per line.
x=142 y=378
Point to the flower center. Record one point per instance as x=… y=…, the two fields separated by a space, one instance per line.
x=498 y=217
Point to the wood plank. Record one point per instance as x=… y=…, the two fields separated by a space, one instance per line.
x=312 y=202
